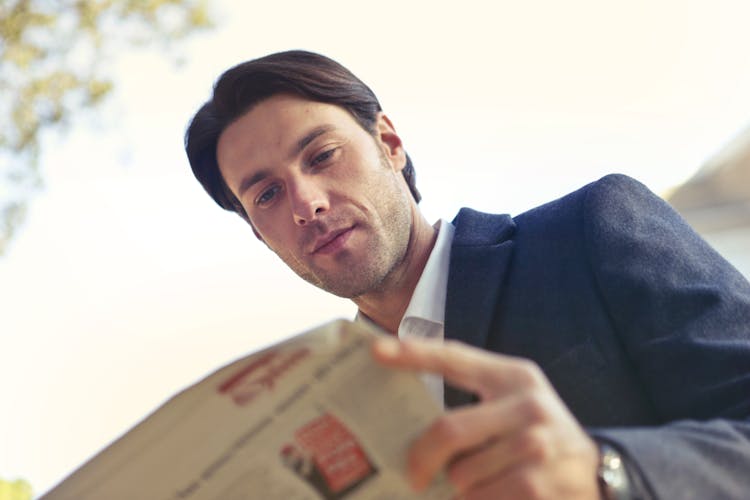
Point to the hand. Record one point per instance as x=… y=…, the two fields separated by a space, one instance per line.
x=519 y=442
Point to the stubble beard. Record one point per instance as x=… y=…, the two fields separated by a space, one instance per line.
x=385 y=252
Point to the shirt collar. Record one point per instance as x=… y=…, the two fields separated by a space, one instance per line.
x=428 y=300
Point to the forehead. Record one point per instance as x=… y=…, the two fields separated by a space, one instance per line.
x=271 y=128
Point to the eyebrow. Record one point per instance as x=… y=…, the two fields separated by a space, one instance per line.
x=311 y=136
x=248 y=182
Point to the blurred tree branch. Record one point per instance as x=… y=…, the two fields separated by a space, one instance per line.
x=15 y=490
x=53 y=63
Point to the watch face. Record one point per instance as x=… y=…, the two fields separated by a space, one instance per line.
x=613 y=477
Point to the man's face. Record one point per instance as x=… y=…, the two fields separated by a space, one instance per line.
x=324 y=194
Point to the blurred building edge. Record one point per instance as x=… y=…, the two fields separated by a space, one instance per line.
x=716 y=201
x=15 y=490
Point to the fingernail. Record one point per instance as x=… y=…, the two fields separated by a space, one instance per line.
x=416 y=483
x=416 y=486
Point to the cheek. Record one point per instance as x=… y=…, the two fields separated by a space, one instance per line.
x=272 y=231
x=274 y=240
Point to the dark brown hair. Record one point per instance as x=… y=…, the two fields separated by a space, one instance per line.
x=306 y=74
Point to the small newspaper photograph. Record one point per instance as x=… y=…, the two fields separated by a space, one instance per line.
x=311 y=418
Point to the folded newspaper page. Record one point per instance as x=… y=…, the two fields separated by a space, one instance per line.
x=314 y=417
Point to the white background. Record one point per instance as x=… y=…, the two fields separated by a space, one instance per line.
x=127 y=282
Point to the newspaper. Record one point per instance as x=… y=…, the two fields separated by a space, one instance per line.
x=314 y=417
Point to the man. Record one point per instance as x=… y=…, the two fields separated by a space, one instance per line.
x=602 y=330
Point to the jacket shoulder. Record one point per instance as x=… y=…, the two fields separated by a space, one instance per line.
x=615 y=192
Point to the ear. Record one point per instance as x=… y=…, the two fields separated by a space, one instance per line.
x=393 y=148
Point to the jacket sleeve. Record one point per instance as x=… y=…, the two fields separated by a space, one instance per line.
x=682 y=316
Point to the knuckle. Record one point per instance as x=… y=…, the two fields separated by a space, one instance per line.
x=534 y=444
x=529 y=486
x=446 y=430
x=534 y=407
x=529 y=373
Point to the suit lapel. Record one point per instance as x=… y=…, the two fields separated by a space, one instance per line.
x=480 y=255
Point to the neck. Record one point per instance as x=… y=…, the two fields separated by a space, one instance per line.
x=387 y=305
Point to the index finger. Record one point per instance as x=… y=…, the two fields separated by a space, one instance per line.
x=484 y=373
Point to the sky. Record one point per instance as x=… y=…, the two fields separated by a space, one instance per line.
x=127 y=283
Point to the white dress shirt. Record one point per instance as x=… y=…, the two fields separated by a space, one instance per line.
x=425 y=314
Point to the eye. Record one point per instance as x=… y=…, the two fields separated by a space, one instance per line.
x=323 y=157
x=267 y=196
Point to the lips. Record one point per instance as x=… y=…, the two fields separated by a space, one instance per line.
x=331 y=241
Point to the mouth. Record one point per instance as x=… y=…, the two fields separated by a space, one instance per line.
x=332 y=241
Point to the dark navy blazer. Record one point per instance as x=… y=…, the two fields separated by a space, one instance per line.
x=642 y=328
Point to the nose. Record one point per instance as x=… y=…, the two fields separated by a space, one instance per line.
x=308 y=200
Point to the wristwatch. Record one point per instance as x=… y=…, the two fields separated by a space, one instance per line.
x=612 y=475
